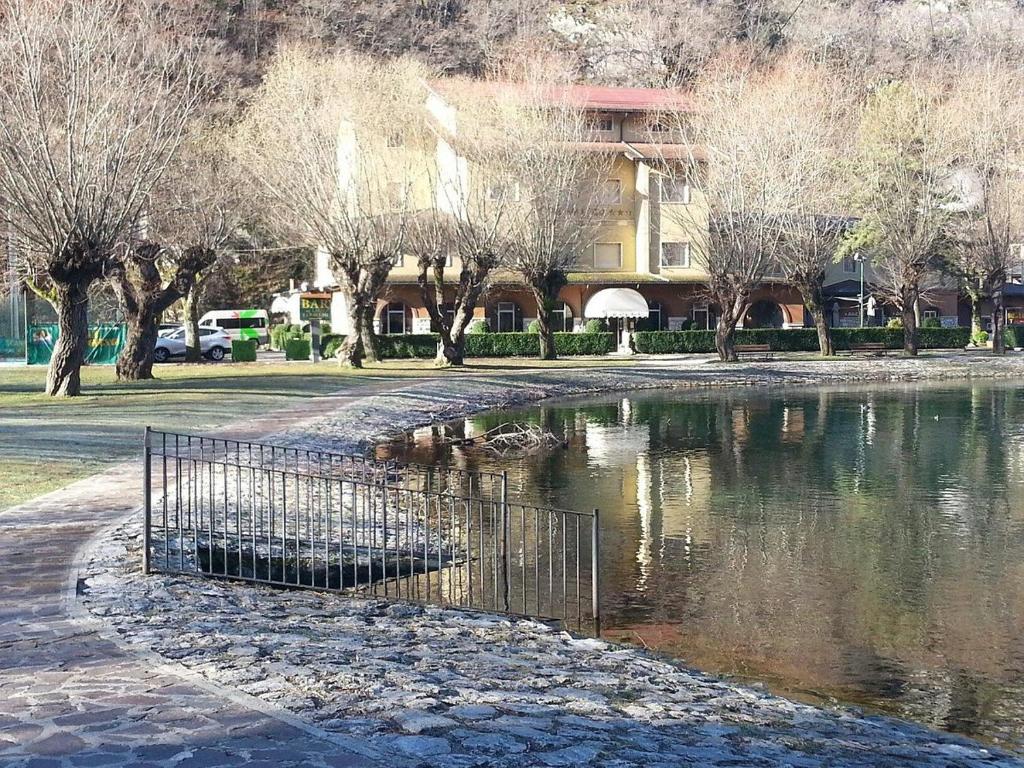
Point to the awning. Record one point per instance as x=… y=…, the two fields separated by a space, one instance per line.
x=281 y=305
x=616 y=302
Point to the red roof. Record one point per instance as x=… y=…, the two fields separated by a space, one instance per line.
x=596 y=97
x=628 y=99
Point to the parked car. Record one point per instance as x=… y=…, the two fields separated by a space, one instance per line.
x=214 y=343
x=240 y=323
x=165 y=329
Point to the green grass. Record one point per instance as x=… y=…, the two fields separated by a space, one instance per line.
x=48 y=442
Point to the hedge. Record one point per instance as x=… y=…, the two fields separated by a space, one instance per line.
x=799 y=339
x=279 y=334
x=424 y=345
x=1013 y=336
x=296 y=349
x=243 y=350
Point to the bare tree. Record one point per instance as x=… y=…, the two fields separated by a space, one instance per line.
x=817 y=112
x=985 y=110
x=465 y=229
x=558 y=212
x=903 y=191
x=195 y=210
x=335 y=143
x=739 y=139
x=94 y=103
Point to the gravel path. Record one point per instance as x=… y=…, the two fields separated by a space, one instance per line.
x=425 y=686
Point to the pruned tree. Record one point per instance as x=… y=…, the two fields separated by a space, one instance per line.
x=334 y=142
x=817 y=112
x=558 y=212
x=903 y=191
x=194 y=212
x=985 y=110
x=739 y=138
x=465 y=229
x=95 y=99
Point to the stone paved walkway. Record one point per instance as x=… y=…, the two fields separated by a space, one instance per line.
x=69 y=696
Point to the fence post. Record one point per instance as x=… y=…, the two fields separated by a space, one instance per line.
x=147 y=499
x=595 y=580
x=506 y=554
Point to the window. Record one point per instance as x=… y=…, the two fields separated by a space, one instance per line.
x=610 y=192
x=701 y=318
x=252 y=322
x=503 y=192
x=675 y=255
x=206 y=331
x=508 y=317
x=397 y=194
x=675 y=190
x=849 y=265
x=658 y=125
x=398 y=260
x=931 y=313
x=655 y=316
x=608 y=255
x=229 y=323
x=393 y=319
x=561 y=318
x=603 y=124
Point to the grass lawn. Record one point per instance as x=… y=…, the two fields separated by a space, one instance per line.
x=46 y=442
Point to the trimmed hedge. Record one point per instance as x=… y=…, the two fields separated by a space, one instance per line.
x=243 y=350
x=1013 y=336
x=799 y=339
x=424 y=345
x=296 y=349
x=279 y=334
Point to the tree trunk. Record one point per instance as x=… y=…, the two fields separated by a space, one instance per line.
x=974 y=297
x=725 y=336
x=451 y=348
x=371 y=350
x=546 y=332
x=63 y=379
x=190 y=311
x=815 y=304
x=135 y=363
x=350 y=354
x=909 y=313
x=824 y=332
x=998 y=320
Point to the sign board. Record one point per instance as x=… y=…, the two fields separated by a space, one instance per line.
x=314 y=306
x=102 y=346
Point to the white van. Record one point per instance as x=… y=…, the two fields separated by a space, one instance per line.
x=240 y=323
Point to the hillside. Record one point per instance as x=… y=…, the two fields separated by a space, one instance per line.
x=626 y=42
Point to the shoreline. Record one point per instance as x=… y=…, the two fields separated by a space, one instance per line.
x=434 y=696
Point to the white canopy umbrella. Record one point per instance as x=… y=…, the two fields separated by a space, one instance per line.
x=616 y=302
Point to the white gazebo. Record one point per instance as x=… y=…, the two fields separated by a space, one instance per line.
x=618 y=304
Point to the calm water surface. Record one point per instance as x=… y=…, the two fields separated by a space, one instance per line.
x=864 y=545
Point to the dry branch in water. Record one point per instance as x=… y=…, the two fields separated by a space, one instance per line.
x=513 y=438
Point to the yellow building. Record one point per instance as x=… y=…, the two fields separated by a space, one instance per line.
x=643 y=245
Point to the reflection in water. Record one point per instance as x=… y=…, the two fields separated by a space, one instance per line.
x=862 y=544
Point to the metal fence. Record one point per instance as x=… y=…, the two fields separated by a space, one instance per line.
x=330 y=521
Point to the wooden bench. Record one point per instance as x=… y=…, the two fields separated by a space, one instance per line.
x=876 y=348
x=753 y=351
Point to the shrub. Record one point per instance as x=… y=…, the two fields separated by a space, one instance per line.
x=570 y=344
x=330 y=344
x=503 y=345
x=1013 y=336
x=411 y=345
x=894 y=322
x=296 y=349
x=980 y=339
x=931 y=322
x=797 y=339
x=279 y=334
x=596 y=326
x=533 y=327
x=479 y=326
x=243 y=350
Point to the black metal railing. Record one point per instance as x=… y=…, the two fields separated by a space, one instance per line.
x=319 y=520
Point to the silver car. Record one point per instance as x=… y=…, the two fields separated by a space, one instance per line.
x=214 y=343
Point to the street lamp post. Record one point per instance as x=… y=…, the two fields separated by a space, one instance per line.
x=860 y=259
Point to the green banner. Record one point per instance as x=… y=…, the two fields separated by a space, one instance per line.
x=102 y=347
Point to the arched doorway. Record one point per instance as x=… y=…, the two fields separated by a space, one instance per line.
x=764 y=314
x=395 y=319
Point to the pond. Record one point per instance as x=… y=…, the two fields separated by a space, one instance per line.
x=861 y=545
